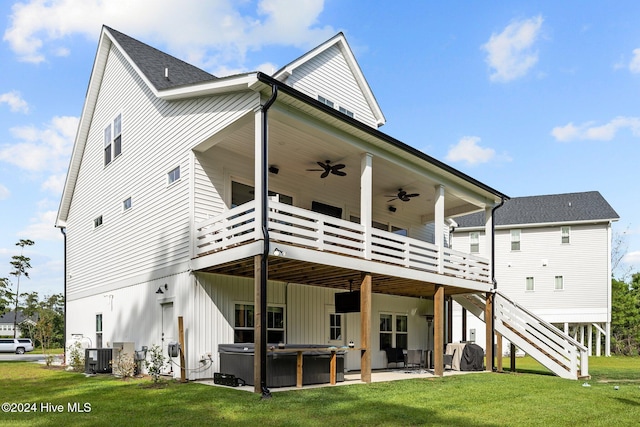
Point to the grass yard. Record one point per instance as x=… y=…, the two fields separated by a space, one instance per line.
x=528 y=398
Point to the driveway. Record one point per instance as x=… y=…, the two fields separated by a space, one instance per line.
x=27 y=357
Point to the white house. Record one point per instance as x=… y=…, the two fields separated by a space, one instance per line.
x=243 y=204
x=553 y=256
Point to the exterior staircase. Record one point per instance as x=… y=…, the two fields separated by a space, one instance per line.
x=559 y=352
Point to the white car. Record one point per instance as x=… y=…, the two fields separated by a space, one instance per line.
x=15 y=345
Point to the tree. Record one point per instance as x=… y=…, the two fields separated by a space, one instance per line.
x=619 y=248
x=48 y=331
x=6 y=297
x=625 y=316
x=21 y=264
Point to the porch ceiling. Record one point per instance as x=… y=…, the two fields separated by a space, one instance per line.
x=306 y=273
x=297 y=143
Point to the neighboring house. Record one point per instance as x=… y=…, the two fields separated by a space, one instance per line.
x=553 y=256
x=8 y=320
x=243 y=204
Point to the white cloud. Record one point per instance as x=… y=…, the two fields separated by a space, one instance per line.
x=467 y=150
x=55 y=183
x=634 y=65
x=42 y=227
x=4 y=192
x=44 y=149
x=632 y=258
x=589 y=131
x=220 y=31
x=510 y=54
x=14 y=101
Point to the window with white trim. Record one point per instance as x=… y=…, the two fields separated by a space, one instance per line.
x=394 y=331
x=335 y=326
x=173 y=175
x=97 y=222
x=559 y=285
x=126 y=204
x=113 y=140
x=244 y=324
x=474 y=242
x=515 y=240
x=529 y=284
x=325 y=101
x=565 y=232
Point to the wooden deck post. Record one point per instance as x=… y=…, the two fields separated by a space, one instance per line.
x=499 y=351
x=365 y=328
x=183 y=372
x=488 y=319
x=438 y=331
x=513 y=357
x=449 y=319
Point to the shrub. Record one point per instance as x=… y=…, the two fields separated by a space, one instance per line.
x=155 y=362
x=76 y=356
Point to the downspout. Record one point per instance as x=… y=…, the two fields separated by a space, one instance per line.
x=63 y=230
x=265 y=250
x=493 y=279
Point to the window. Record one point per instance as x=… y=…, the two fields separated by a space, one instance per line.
x=529 y=286
x=345 y=111
x=474 y=242
x=98 y=330
x=97 y=222
x=325 y=101
x=113 y=140
x=126 y=204
x=559 y=283
x=386 y=331
x=241 y=194
x=244 y=324
x=173 y=175
x=394 y=334
x=402 y=335
x=335 y=326
x=565 y=231
x=515 y=240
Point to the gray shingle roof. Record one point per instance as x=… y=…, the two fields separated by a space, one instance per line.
x=569 y=207
x=153 y=62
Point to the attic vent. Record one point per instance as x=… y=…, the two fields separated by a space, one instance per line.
x=166 y=73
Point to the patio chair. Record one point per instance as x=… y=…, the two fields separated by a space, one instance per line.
x=414 y=358
x=448 y=360
x=395 y=355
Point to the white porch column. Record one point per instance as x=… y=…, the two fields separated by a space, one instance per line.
x=438 y=224
x=366 y=199
x=488 y=241
x=607 y=340
x=258 y=168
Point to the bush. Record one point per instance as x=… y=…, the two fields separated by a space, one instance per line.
x=125 y=366
x=76 y=356
x=155 y=362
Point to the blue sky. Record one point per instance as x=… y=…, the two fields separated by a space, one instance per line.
x=529 y=99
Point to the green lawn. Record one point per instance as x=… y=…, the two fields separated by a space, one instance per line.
x=528 y=398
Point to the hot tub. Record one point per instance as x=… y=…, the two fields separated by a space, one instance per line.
x=237 y=359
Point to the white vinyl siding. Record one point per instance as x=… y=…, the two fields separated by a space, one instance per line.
x=328 y=74
x=158 y=229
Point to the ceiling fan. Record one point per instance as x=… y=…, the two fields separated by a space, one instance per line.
x=328 y=168
x=403 y=195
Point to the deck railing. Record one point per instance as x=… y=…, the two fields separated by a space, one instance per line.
x=303 y=228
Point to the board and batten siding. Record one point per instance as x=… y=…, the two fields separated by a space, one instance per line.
x=153 y=237
x=329 y=75
x=213 y=312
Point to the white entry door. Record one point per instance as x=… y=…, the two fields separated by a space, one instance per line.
x=168 y=332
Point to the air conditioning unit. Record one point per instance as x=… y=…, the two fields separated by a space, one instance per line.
x=98 y=360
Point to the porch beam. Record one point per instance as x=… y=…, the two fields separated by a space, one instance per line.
x=365 y=328
x=438 y=331
x=438 y=231
x=488 y=319
x=366 y=199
